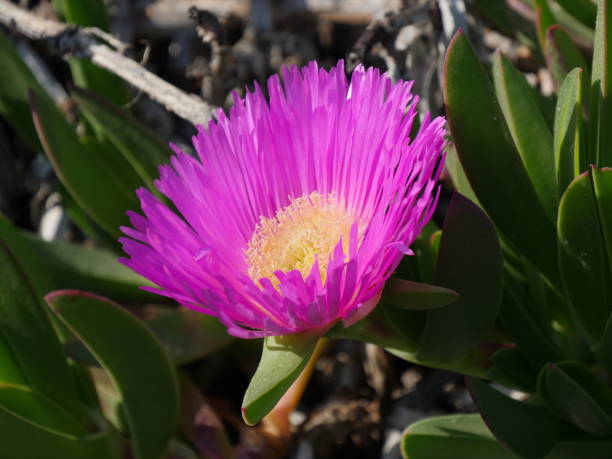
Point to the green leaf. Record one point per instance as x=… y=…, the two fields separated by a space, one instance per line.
x=27 y=440
x=570 y=390
x=14 y=84
x=602 y=186
x=421 y=266
x=115 y=162
x=452 y=437
x=76 y=266
x=570 y=154
x=188 y=336
x=27 y=331
x=562 y=55
x=10 y=371
x=492 y=165
x=582 y=256
x=93 y=14
x=282 y=360
x=89 y=227
x=534 y=344
x=139 y=146
x=415 y=295
x=584 y=11
x=39 y=409
x=603 y=348
x=469 y=263
x=386 y=326
x=600 y=134
x=134 y=360
x=459 y=180
x=528 y=430
x=27 y=257
x=544 y=19
x=587 y=448
x=509 y=367
x=529 y=130
x=89 y=179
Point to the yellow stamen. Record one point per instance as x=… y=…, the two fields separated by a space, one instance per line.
x=308 y=228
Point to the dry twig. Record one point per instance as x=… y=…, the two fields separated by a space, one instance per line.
x=85 y=42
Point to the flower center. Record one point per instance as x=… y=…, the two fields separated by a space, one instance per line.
x=308 y=228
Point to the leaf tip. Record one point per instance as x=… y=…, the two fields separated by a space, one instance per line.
x=245 y=417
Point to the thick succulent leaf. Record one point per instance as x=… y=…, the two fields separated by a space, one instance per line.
x=25 y=439
x=469 y=263
x=451 y=437
x=188 y=336
x=603 y=348
x=533 y=343
x=415 y=295
x=93 y=14
x=28 y=333
x=492 y=165
x=562 y=55
x=571 y=391
x=139 y=146
x=459 y=180
x=39 y=409
x=90 y=180
x=135 y=361
x=600 y=134
x=421 y=266
x=10 y=370
x=602 y=186
x=89 y=227
x=584 y=11
x=586 y=448
x=27 y=257
x=386 y=326
x=399 y=330
x=14 y=84
x=114 y=161
x=529 y=130
x=282 y=360
x=544 y=19
x=582 y=255
x=93 y=269
x=529 y=431
x=509 y=367
x=569 y=143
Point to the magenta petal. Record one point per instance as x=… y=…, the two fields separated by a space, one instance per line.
x=318 y=132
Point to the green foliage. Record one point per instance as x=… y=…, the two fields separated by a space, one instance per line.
x=139 y=147
x=282 y=360
x=121 y=343
x=500 y=181
x=92 y=13
x=556 y=313
x=451 y=437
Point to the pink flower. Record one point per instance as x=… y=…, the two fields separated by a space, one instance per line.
x=295 y=211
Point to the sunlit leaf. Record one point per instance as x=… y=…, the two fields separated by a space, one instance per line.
x=282 y=360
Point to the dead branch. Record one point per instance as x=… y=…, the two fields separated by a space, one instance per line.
x=105 y=52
